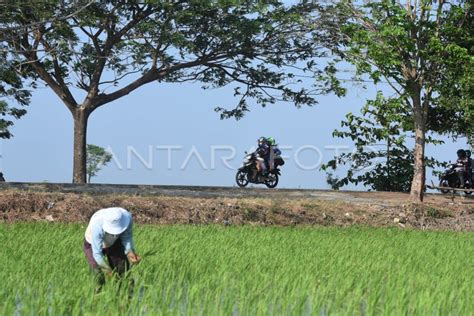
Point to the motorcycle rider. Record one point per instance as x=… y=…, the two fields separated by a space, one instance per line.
x=275 y=152
x=463 y=166
x=263 y=155
x=469 y=171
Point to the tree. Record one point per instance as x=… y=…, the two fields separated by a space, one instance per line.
x=96 y=158
x=381 y=160
x=410 y=45
x=262 y=49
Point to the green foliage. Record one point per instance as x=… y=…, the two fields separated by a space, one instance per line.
x=7 y=114
x=457 y=84
x=242 y=270
x=262 y=49
x=430 y=49
x=11 y=84
x=438 y=213
x=97 y=157
x=381 y=160
x=11 y=87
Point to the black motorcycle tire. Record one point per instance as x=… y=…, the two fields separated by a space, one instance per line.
x=444 y=183
x=241 y=178
x=272 y=184
x=469 y=192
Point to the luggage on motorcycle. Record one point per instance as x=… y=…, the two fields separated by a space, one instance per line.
x=279 y=162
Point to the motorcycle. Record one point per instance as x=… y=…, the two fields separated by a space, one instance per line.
x=248 y=173
x=450 y=178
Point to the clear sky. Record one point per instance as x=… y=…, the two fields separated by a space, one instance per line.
x=159 y=121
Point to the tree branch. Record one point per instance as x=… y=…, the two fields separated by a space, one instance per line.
x=61 y=90
x=112 y=39
x=58 y=85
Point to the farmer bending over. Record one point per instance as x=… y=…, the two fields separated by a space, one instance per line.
x=109 y=234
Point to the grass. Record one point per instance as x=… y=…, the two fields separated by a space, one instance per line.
x=438 y=213
x=209 y=270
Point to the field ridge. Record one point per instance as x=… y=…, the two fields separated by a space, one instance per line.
x=22 y=205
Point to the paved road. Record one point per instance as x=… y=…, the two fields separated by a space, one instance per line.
x=382 y=198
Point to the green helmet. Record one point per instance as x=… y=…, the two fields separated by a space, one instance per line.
x=271 y=141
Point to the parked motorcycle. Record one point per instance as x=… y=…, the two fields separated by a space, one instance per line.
x=450 y=179
x=248 y=173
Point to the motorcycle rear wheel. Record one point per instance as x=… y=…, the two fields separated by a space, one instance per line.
x=470 y=187
x=241 y=179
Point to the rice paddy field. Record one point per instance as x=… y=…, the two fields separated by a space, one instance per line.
x=216 y=270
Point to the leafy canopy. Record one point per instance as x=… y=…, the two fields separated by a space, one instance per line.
x=11 y=89
x=416 y=46
x=107 y=49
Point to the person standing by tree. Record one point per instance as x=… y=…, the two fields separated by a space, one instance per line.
x=463 y=166
x=469 y=171
x=109 y=234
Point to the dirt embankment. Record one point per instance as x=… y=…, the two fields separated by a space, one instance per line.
x=72 y=207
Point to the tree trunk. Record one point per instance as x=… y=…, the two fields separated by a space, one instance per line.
x=80 y=117
x=418 y=183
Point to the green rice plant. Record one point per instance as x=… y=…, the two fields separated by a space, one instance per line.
x=215 y=270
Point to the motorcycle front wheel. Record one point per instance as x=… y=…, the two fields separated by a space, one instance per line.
x=272 y=180
x=241 y=178
x=444 y=183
